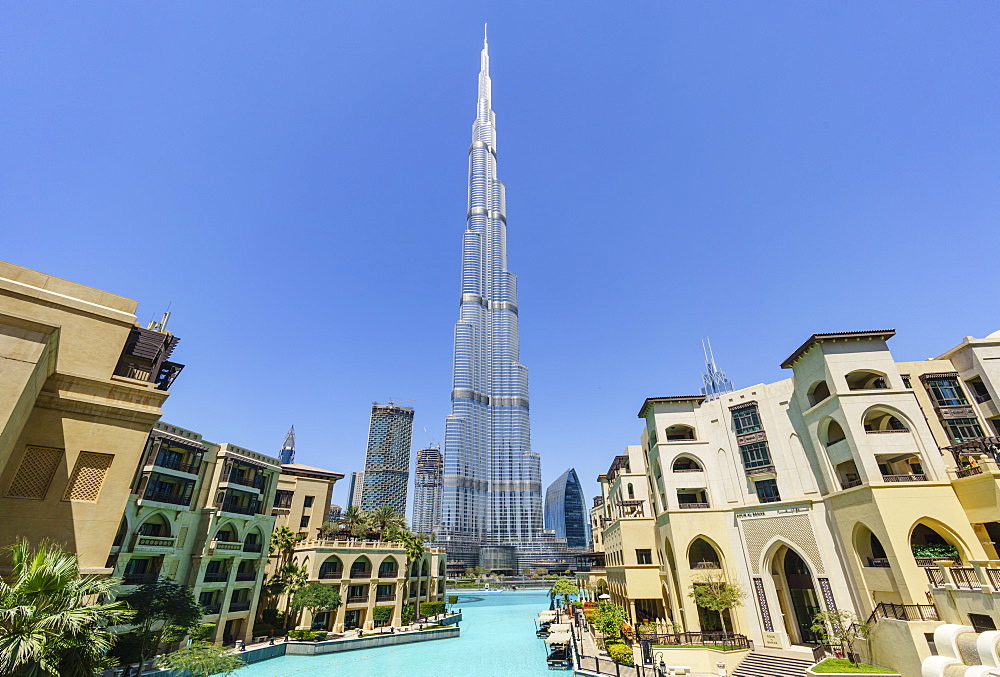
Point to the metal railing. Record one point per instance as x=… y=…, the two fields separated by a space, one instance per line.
x=249 y=509
x=388 y=573
x=246 y=575
x=331 y=574
x=211 y=609
x=905 y=612
x=994 y=576
x=912 y=477
x=216 y=577
x=177 y=464
x=687 y=470
x=930 y=561
x=235 y=478
x=935 y=576
x=352 y=599
x=969 y=472
x=878 y=562
x=724 y=641
x=692 y=506
x=706 y=565
x=367 y=573
x=386 y=598
x=239 y=606
x=139 y=579
x=965 y=577
x=850 y=484
x=166 y=497
x=253 y=547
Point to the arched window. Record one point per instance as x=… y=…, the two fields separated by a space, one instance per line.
x=701 y=555
x=332 y=567
x=227 y=534
x=818 y=392
x=880 y=420
x=865 y=379
x=834 y=433
x=686 y=464
x=680 y=432
x=928 y=545
x=388 y=568
x=361 y=568
x=631 y=491
x=156 y=525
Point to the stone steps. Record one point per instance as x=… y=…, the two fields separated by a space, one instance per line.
x=759 y=664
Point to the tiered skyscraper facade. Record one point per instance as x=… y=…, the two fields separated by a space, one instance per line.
x=492 y=493
x=387 y=462
x=427 y=489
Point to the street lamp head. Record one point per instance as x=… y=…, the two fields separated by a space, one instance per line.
x=604 y=596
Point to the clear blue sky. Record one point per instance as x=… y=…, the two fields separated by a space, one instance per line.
x=290 y=178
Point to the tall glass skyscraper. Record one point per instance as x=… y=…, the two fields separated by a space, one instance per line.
x=566 y=511
x=426 y=490
x=492 y=490
x=387 y=461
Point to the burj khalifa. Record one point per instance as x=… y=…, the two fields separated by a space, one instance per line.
x=491 y=495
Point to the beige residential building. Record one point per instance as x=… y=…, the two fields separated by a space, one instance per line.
x=837 y=488
x=81 y=385
x=368 y=573
x=628 y=538
x=199 y=514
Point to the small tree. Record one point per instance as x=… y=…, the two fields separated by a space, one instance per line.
x=202 y=660
x=406 y=613
x=157 y=605
x=718 y=595
x=316 y=598
x=288 y=579
x=609 y=618
x=564 y=587
x=382 y=615
x=844 y=627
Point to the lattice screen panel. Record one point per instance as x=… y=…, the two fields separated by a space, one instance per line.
x=35 y=472
x=794 y=528
x=88 y=476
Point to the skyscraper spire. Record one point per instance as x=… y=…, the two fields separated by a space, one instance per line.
x=714 y=379
x=492 y=490
x=287 y=453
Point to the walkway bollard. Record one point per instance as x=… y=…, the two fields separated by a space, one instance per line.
x=722 y=668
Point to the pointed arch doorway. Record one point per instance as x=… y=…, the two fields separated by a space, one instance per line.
x=793 y=581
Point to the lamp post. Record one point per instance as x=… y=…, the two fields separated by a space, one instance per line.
x=661 y=667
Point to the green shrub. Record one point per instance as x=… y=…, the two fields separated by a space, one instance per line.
x=382 y=614
x=452 y=599
x=620 y=653
x=406 y=614
x=262 y=629
x=319 y=636
x=273 y=617
x=173 y=633
x=432 y=608
x=935 y=550
x=202 y=632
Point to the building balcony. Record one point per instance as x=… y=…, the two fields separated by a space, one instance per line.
x=386 y=598
x=175 y=464
x=357 y=599
x=253 y=547
x=239 y=606
x=706 y=565
x=388 y=574
x=969 y=472
x=212 y=609
x=878 y=562
x=248 y=509
x=768 y=469
x=166 y=497
x=850 y=484
x=246 y=576
x=139 y=579
x=912 y=477
x=141 y=543
x=331 y=575
x=361 y=574
x=224 y=547
x=216 y=577
x=253 y=482
x=692 y=506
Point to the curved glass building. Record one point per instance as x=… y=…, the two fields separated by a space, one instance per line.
x=491 y=493
x=565 y=511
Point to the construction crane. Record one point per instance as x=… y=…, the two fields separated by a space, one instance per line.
x=393 y=404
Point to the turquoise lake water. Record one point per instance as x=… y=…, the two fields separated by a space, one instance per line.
x=498 y=640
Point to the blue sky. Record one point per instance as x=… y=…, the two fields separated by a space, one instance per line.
x=290 y=179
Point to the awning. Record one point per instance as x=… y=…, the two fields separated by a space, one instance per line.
x=559 y=627
x=558 y=638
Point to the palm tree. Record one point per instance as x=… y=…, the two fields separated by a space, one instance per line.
x=385 y=518
x=283 y=542
x=354 y=519
x=53 y=621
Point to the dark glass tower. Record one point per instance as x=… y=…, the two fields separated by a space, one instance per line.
x=566 y=512
x=387 y=462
